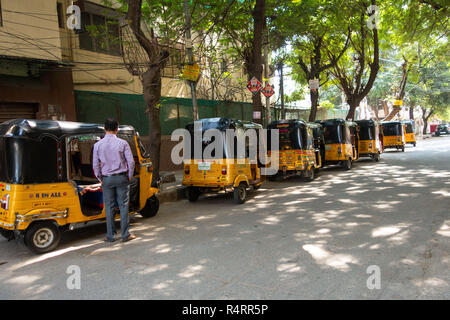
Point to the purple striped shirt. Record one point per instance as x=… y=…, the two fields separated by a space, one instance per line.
x=112 y=155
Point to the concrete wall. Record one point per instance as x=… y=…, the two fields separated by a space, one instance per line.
x=24 y=34
x=52 y=91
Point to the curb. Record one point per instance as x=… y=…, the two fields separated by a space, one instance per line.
x=172 y=195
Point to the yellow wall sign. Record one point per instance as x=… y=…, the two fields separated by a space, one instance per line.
x=191 y=72
x=398 y=102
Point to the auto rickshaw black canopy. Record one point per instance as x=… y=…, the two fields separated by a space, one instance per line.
x=332 y=131
x=223 y=124
x=291 y=133
x=367 y=129
x=410 y=126
x=34 y=151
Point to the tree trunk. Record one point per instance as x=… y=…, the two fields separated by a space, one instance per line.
x=354 y=103
x=314 y=95
x=151 y=83
x=151 y=80
x=411 y=112
x=425 y=119
x=425 y=126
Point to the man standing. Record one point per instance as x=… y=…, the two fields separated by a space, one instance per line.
x=113 y=165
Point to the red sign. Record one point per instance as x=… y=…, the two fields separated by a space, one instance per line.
x=268 y=91
x=254 y=85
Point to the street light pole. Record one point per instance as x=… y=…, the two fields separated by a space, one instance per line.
x=190 y=53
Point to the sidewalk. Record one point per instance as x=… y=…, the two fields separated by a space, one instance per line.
x=171 y=188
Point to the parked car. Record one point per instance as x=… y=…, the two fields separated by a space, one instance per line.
x=442 y=129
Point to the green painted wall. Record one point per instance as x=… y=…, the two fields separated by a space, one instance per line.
x=95 y=107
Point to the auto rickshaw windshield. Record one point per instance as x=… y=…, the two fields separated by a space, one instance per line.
x=333 y=134
x=392 y=129
x=409 y=128
x=367 y=133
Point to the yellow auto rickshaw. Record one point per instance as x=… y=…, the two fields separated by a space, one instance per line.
x=340 y=142
x=296 y=153
x=369 y=139
x=47 y=184
x=393 y=135
x=224 y=169
x=410 y=136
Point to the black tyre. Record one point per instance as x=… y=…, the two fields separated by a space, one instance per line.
x=151 y=207
x=240 y=193
x=311 y=174
x=414 y=144
x=42 y=237
x=403 y=149
x=376 y=157
x=193 y=193
x=348 y=164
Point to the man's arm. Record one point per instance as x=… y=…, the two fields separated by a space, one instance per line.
x=96 y=163
x=130 y=160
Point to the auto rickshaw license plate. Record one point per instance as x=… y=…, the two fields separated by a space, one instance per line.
x=204 y=166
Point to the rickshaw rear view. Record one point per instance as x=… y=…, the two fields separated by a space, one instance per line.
x=297 y=154
x=394 y=135
x=218 y=166
x=340 y=138
x=369 y=139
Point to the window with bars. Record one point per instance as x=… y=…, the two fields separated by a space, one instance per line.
x=102 y=34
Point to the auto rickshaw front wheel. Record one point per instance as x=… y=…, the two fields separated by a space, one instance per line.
x=42 y=237
x=151 y=207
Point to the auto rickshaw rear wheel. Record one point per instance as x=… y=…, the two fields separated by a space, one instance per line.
x=311 y=174
x=240 y=193
x=403 y=149
x=193 y=193
x=348 y=164
x=42 y=237
x=151 y=207
x=376 y=157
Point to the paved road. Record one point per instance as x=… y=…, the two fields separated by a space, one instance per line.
x=291 y=240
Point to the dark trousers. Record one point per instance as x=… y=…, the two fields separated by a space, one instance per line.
x=116 y=188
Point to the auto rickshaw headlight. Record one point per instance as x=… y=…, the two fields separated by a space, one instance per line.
x=224 y=171
x=186 y=170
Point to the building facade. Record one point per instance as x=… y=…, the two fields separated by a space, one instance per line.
x=35 y=81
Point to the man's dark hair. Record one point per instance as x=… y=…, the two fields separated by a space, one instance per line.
x=111 y=124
